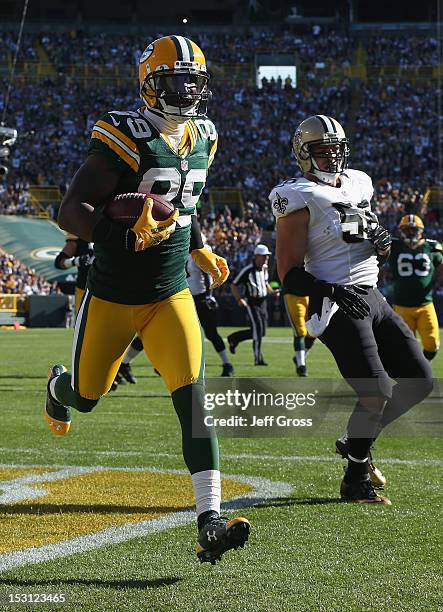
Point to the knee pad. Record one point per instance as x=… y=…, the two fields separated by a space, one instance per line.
x=137 y=344
x=85 y=405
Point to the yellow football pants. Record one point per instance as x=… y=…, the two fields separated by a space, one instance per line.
x=422 y=319
x=170 y=332
x=297 y=309
x=79 y=293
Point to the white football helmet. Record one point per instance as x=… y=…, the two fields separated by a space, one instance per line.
x=321 y=130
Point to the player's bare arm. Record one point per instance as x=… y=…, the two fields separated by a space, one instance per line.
x=292 y=232
x=93 y=184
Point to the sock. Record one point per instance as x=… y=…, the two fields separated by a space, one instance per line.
x=130 y=354
x=61 y=390
x=224 y=356
x=199 y=442
x=299 y=343
x=357 y=468
x=299 y=348
x=207 y=491
x=300 y=358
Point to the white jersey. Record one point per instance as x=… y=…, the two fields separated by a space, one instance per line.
x=338 y=249
x=198 y=281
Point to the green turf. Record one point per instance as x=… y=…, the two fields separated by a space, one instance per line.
x=306 y=552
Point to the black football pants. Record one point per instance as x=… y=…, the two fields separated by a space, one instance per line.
x=371 y=352
x=208 y=321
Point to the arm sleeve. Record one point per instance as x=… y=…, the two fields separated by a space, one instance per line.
x=196 y=235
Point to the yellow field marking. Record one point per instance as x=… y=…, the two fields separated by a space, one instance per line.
x=88 y=503
x=11 y=473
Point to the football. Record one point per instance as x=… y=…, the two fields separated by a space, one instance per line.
x=126 y=208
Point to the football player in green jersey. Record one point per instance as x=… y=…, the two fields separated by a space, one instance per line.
x=137 y=283
x=413 y=263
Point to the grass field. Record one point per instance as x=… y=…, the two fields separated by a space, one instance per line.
x=102 y=515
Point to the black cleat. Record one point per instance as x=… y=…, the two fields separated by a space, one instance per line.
x=125 y=370
x=218 y=535
x=377 y=477
x=361 y=491
x=119 y=380
x=57 y=415
x=261 y=362
x=114 y=385
x=228 y=369
x=232 y=346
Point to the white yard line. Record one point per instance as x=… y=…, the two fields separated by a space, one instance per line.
x=231 y=456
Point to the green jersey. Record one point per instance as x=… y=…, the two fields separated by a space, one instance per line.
x=147 y=163
x=413 y=271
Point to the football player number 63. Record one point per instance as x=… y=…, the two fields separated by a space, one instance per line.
x=409 y=264
x=174 y=178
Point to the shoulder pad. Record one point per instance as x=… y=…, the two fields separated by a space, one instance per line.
x=206 y=128
x=361 y=177
x=119 y=131
x=289 y=196
x=435 y=245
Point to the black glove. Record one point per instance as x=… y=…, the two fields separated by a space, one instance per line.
x=380 y=238
x=349 y=300
x=211 y=302
x=83 y=260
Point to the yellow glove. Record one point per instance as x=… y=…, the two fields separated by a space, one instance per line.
x=149 y=232
x=212 y=264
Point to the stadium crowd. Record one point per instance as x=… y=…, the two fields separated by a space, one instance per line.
x=14 y=199
x=403 y=51
x=255 y=124
x=16 y=277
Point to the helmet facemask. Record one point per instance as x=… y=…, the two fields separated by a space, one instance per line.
x=411 y=234
x=181 y=92
x=334 y=153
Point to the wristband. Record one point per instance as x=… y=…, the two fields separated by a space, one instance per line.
x=299 y=282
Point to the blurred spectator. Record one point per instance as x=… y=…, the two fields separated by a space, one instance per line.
x=16 y=277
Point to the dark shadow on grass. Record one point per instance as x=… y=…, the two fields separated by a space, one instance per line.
x=23 y=376
x=280 y=502
x=112 y=584
x=37 y=509
x=117 y=395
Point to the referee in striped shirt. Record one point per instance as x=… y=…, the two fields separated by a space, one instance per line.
x=254 y=280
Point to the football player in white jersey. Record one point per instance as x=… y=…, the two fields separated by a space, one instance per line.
x=329 y=247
